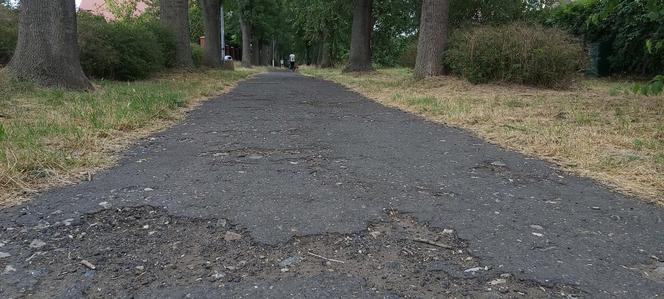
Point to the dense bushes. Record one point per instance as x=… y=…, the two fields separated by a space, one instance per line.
x=519 y=53
x=634 y=31
x=164 y=38
x=8 y=34
x=409 y=55
x=123 y=50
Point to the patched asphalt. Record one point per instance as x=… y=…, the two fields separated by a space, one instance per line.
x=284 y=157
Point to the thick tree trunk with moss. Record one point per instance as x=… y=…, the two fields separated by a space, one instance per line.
x=360 y=43
x=433 y=38
x=212 y=23
x=246 y=42
x=174 y=15
x=47 y=49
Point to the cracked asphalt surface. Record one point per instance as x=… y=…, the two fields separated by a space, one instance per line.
x=290 y=186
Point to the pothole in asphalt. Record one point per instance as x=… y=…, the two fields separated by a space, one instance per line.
x=120 y=252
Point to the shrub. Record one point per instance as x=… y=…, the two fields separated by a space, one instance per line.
x=99 y=56
x=634 y=31
x=123 y=50
x=409 y=55
x=164 y=37
x=518 y=53
x=8 y=34
x=196 y=54
x=652 y=88
x=139 y=51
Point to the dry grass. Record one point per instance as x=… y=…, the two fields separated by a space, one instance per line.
x=596 y=129
x=53 y=137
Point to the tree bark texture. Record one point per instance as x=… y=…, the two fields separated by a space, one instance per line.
x=266 y=55
x=433 y=38
x=174 y=15
x=246 y=42
x=255 y=51
x=47 y=50
x=211 y=19
x=360 y=44
x=326 y=57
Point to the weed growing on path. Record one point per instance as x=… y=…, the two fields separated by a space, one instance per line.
x=615 y=137
x=52 y=136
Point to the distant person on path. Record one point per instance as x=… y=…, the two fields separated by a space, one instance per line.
x=291 y=59
x=281 y=63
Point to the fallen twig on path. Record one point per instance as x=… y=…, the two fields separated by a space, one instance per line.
x=425 y=241
x=325 y=258
x=88 y=264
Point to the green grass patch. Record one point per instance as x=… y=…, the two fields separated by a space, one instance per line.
x=514 y=103
x=47 y=134
x=435 y=106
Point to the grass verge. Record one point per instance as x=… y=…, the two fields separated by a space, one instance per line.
x=595 y=129
x=52 y=136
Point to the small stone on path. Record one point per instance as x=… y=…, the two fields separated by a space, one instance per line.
x=473 y=270
x=660 y=270
x=232 y=236
x=289 y=261
x=498 y=163
x=221 y=222
x=498 y=281
x=8 y=269
x=36 y=243
x=217 y=276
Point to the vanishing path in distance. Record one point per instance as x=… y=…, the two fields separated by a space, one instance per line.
x=289 y=186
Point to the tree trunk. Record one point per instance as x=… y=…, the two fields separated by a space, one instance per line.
x=174 y=15
x=360 y=43
x=47 y=50
x=211 y=18
x=266 y=54
x=326 y=59
x=319 y=53
x=255 y=51
x=246 y=42
x=433 y=38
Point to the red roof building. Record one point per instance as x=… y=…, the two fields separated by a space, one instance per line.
x=98 y=7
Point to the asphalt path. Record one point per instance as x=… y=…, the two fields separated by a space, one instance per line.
x=285 y=161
